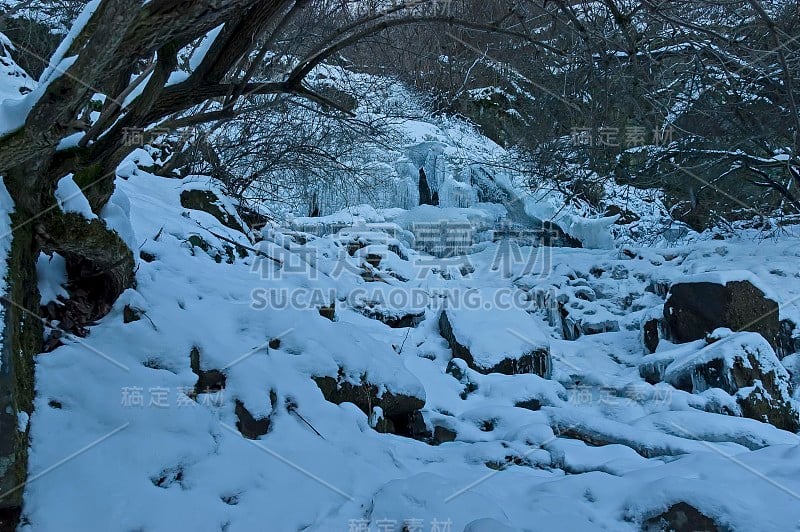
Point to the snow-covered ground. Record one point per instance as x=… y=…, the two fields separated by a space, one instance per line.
x=121 y=442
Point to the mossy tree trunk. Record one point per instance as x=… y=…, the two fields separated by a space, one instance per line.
x=22 y=340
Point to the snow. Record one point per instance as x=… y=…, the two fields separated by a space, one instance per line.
x=51 y=273
x=718 y=428
x=13 y=79
x=6 y=208
x=57 y=61
x=22 y=421
x=201 y=51
x=116 y=215
x=161 y=465
x=70 y=198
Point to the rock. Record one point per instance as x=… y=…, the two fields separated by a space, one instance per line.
x=402 y=411
x=497 y=341
x=343 y=100
x=147 y=256
x=394 y=318
x=705 y=302
x=443 y=435
x=329 y=311
x=10 y=517
x=653 y=367
x=198 y=242
x=587 y=324
x=788 y=339
x=745 y=366
x=207 y=201
x=249 y=426
x=650 y=334
x=207 y=381
x=130 y=314
x=652 y=329
x=491 y=111
x=760 y=403
x=460 y=371
x=373 y=259
x=680 y=517
x=412 y=426
x=253 y=218
x=529 y=404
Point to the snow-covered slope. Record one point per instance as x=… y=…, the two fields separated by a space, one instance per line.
x=122 y=440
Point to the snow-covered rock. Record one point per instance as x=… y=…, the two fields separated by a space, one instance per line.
x=743 y=365
x=492 y=340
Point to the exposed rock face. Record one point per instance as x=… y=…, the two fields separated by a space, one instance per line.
x=329 y=311
x=745 y=366
x=788 y=340
x=680 y=517
x=130 y=314
x=207 y=201
x=458 y=369
x=207 y=381
x=394 y=319
x=248 y=425
x=650 y=335
x=443 y=435
x=400 y=412
x=523 y=357
x=695 y=309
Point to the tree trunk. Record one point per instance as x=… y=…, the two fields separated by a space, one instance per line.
x=22 y=340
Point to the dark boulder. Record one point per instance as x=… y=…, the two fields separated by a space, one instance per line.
x=694 y=309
